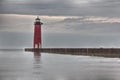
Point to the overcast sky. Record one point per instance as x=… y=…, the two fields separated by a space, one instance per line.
x=67 y=23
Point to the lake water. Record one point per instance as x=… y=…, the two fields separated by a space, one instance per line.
x=20 y=65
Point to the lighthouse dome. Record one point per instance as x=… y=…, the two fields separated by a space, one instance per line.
x=37 y=19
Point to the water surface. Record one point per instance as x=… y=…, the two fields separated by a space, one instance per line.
x=20 y=65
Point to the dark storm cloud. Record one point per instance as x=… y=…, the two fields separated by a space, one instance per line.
x=63 y=7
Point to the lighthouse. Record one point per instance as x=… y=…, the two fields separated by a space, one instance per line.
x=37 y=33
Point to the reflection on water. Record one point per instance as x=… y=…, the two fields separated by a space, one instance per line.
x=37 y=65
x=19 y=65
x=37 y=54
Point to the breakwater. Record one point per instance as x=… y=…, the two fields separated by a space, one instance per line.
x=101 y=52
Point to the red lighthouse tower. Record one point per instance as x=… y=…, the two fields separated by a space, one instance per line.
x=37 y=33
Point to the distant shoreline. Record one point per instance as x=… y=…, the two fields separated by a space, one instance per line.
x=11 y=49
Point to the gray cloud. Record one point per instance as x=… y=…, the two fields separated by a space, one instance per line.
x=95 y=26
x=67 y=32
x=15 y=40
x=64 y=7
x=22 y=40
x=79 y=40
x=81 y=31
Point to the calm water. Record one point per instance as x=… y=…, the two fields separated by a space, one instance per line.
x=20 y=65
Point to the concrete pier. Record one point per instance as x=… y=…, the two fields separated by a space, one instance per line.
x=101 y=52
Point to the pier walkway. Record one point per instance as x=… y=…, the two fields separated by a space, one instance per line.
x=101 y=52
